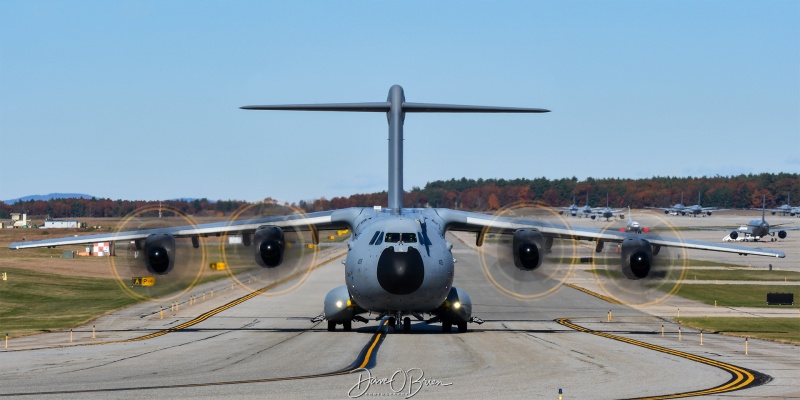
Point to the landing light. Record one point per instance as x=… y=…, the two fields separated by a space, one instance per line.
x=457 y=305
x=339 y=304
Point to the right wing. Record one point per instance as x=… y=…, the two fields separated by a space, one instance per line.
x=474 y=222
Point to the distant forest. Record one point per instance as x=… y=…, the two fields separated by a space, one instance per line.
x=742 y=191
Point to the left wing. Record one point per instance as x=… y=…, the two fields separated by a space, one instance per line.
x=473 y=222
x=338 y=219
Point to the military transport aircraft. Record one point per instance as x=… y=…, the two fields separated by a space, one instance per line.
x=786 y=208
x=399 y=262
x=634 y=226
x=608 y=212
x=758 y=229
x=697 y=209
x=678 y=208
x=585 y=211
x=571 y=210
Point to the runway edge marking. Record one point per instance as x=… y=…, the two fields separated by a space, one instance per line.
x=196 y=320
x=741 y=378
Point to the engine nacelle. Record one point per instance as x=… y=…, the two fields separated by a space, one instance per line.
x=734 y=235
x=709 y=213
x=666 y=211
x=268 y=246
x=159 y=253
x=637 y=257
x=527 y=247
x=782 y=234
x=594 y=216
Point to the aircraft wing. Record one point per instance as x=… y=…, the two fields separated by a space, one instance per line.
x=474 y=222
x=741 y=229
x=304 y=222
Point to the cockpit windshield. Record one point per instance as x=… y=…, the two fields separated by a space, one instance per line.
x=393 y=237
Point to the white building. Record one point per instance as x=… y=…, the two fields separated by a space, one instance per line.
x=55 y=223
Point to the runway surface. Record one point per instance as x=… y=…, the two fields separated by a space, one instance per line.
x=267 y=346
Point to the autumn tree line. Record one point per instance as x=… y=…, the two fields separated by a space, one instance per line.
x=742 y=191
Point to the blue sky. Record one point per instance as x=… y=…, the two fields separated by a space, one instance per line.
x=139 y=99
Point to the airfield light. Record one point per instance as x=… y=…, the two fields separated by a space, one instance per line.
x=457 y=305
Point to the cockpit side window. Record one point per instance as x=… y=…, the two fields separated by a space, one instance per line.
x=380 y=239
x=374 y=237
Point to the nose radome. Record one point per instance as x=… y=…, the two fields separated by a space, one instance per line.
x=400 y=273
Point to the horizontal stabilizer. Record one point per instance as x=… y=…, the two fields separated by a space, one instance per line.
x=456 y=108
x=356 y=107
x=406 y=107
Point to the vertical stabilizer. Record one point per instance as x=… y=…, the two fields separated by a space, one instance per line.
x=396 y=108
x=764 y=208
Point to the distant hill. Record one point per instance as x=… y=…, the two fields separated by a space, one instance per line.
x=50 y=196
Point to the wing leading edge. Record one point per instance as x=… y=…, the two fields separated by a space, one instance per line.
x=473 y=222
x=324 y=220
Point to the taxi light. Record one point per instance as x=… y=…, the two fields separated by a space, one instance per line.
x=339 y=304
x=457 y=305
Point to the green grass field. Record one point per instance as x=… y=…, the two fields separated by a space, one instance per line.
x=778 y=329
x=33 y=302
x=743 y=274
x=615 y=261
x=736 y=295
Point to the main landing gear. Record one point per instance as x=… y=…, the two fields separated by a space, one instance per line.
x=346 y=326
x=447 y=327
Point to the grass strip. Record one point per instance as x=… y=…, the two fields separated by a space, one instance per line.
x=34 y=302
x=785 y=330
x=732 y=295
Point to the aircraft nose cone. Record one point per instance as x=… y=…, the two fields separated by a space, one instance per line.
x=400 y=273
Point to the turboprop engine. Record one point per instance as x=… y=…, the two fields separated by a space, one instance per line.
x=527 y=247
x=637 y=257
x=159 y=253
x=269 y=245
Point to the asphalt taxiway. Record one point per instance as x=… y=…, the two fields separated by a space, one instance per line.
x=240 y=345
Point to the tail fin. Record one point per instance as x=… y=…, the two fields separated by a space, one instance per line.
x=395 y=108
x=764 y=208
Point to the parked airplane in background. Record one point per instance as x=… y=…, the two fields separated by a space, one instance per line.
x=678 y=208
x=608 y=212
x=571 y=210
x=399 y=262
x=697 y=209
x=758 y=229
x=786 y=208
x=574 y=210
x=634 y=226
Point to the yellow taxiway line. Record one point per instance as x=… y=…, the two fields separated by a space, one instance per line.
x=740 y=378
